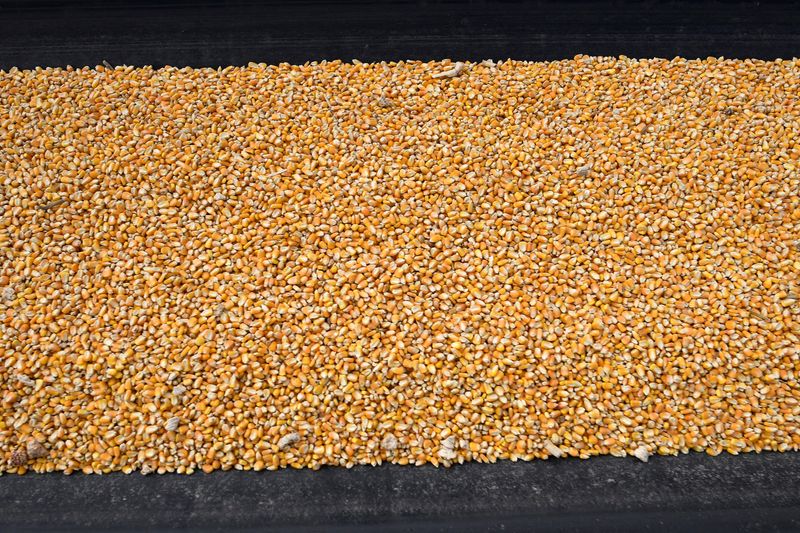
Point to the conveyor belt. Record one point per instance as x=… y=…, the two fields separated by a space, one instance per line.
x=690 y=492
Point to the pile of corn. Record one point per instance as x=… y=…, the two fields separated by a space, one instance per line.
x=411 y=262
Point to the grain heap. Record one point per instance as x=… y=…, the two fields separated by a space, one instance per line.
x=354 y=263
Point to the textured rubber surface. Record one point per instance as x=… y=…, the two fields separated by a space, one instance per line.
x=203 y=33
x=723 y=493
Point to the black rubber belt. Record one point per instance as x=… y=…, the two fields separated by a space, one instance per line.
x=206 y=33
x=690 y=492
